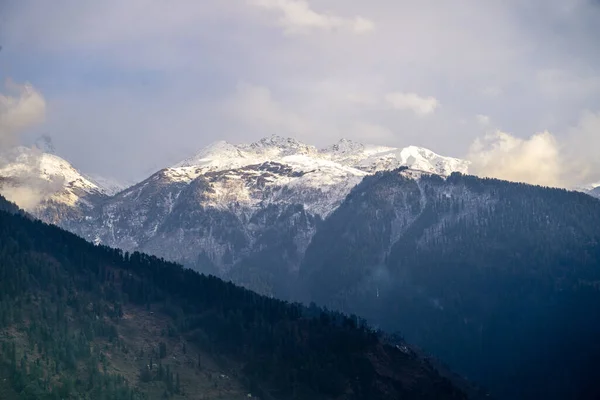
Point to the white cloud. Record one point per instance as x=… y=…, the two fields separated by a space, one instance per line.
x=21 y=109
x=421 y=106
x=534 y=160
x=570 y=160
x=297 y=16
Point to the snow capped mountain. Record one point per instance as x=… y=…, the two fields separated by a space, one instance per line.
x=369 y=158
x=223 y=155
x=330 y=173
x=45 y=177
x=372 y=158
x=230 y=207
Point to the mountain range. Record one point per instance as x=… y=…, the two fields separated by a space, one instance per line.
x=221 y=209
x=494 y=278
x=79 y=321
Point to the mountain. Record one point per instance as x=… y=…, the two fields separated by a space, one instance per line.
x=83 y=321
x=51 y=177
x=381 y=158
x=497 y=279
x=48 y=186
x=595 y=192
x=500 y=280
x=245 y=212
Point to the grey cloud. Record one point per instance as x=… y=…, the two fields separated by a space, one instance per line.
x=528 y=66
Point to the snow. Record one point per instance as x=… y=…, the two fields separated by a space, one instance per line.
x=253 y=182
x=373 y=158
x=56 y=178
x=344 y=154
x=318 y=178
x=296 y=179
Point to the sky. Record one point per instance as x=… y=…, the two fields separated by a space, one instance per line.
x=127 y=87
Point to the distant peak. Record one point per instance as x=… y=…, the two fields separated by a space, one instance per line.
x=278 y=146
x=217 y=150
x=278 y=141
x=345 y=145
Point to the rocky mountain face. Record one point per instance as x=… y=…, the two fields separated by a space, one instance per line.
x=245 y=212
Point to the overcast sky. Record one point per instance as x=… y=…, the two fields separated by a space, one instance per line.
x=130 y=86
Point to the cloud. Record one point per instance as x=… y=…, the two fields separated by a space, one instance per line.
x=483 y=119
x=421 y=106
x=22 y=108
x=29 y=194
x=254 y=107
x=297 y=16
x=534 y=160
x=571 y=160
x=146 y=94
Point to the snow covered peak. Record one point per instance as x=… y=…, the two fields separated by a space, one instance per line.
x=216 y=155
x=373 y=158
x=426 y=160
x=279 y=146
x=345 y=146
x=223 y=155
x=45 y=177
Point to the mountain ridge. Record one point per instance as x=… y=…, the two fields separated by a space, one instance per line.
x=248 y=191
x=85 y=321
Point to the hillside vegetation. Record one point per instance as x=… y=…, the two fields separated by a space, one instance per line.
x=79 y=321
x=500 y=280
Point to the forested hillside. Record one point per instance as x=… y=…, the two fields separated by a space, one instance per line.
x=500 y=280
x=82 y=321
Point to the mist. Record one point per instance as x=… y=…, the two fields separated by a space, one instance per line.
x=22 y=107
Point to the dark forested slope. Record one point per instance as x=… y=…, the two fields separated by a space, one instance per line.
x=82 y=321
x=501 y=280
